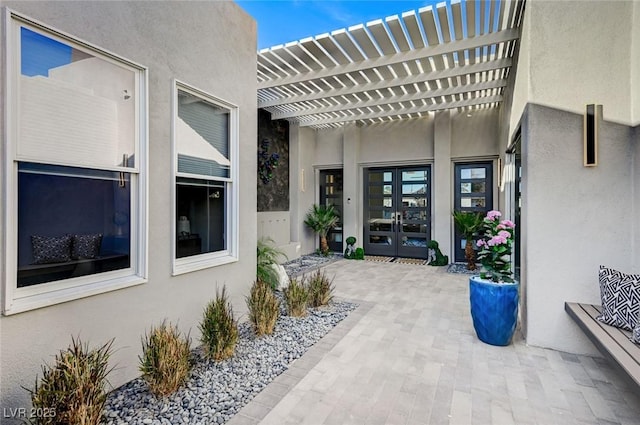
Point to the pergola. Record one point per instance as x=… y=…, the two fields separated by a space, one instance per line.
x=456 y=56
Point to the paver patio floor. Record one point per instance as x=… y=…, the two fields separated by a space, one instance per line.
x=409 y=355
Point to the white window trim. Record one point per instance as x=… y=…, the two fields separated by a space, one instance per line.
x=17 y=300
x=229 y=255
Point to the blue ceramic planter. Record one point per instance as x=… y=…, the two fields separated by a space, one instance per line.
x=494 y=310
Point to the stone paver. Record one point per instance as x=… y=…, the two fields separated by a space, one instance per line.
x=409 y=355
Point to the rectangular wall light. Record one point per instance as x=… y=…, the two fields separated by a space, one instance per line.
x=592 y=122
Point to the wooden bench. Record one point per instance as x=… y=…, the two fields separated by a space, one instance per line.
x=613 y=342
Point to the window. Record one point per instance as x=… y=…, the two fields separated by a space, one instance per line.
x=75 y=169
x=205 y=214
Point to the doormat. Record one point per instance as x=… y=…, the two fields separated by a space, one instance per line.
x=413 y=261
x=378 y=258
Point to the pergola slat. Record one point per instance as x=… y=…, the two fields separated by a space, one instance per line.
x=414 y=110
x=420 y=78
x=399 y=67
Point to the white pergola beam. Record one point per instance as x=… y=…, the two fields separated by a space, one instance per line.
x=391 y=99
x=398 y=58
x=391 y=113
x=380 y=85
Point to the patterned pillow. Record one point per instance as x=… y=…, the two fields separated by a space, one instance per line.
x=86 y=246
x=620 y=294
x=635 y=336
x=47 y=249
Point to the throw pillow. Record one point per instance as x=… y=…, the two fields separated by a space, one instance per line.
x=48 y=249
x=635 y=336
x=620 y=295
x=86 y=246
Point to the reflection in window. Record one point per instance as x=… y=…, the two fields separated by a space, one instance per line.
x=76 y=108
x=467 y=202
x=380 y=240
x=473 y=173
x=415 y=175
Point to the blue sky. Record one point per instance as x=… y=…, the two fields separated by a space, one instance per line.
x=282 y=21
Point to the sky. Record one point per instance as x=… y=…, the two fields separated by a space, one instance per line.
x=282 y=21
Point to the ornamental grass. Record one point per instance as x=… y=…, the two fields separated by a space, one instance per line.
x=320 y=289
x=296 y=297
x=264 y=308
x=219 y=328
x=72 y=391
x=166 y=359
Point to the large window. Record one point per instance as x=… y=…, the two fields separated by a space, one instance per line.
x=74 y=167
x=205 y=139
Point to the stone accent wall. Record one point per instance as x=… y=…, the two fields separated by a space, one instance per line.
x=274 y=195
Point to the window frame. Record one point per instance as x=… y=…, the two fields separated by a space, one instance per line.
x=17 y=300
x=230 y=254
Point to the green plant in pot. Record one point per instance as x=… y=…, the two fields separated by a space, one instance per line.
x=468 y=224
x=493 y=294
x=321 y=219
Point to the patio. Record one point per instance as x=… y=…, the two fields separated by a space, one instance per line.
x=409 y=355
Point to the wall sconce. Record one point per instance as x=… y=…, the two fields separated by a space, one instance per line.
x=592 y=121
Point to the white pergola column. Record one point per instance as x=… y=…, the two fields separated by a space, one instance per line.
x=351 y=185
x=441 y=183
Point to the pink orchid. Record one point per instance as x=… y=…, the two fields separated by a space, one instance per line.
x=493 y=214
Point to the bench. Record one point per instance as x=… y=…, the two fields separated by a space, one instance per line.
x=34 y=274
x=613 y=342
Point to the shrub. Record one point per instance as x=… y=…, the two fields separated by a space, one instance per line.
x=320 y=289
x=219 y=328
x=359 y=255
x=267 y=255
x=296 y=296
x=165 y=362
x=263 y=307
x=73 y=390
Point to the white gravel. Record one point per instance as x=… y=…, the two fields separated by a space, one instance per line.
x=217 y=391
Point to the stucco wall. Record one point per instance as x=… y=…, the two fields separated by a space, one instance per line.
x=396 y=141
x=302 y=184
x=328 y=148
x=476 y=135
x=225 y=66
x=635 y=65
x=566 y=56
x=575 y=219
x=636 y=199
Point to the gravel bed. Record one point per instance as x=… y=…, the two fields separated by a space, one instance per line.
x=310 y=262
x=217 y=391
x=462 y=269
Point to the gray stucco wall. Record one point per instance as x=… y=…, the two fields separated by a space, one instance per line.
x=212 y=46
x=574 y=219
x=636 y=198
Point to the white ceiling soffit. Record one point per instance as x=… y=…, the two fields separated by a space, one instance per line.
x=456 y=56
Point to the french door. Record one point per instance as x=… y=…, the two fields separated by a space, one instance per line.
x=331 y=194
x=473 y=192
x=397 y=211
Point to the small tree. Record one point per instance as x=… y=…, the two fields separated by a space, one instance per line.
x=468 y=224
x=321 y=219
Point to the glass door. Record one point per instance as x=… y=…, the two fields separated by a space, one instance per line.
x=473 y=192
x=397 y=211
x=331 y=194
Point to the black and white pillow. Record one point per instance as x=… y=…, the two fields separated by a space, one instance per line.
x=47 y=249
x=620 y=295
x=86 y=246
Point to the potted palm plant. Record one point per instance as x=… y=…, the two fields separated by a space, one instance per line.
x=321 y=219
x=493 y=294
x=468 y=224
